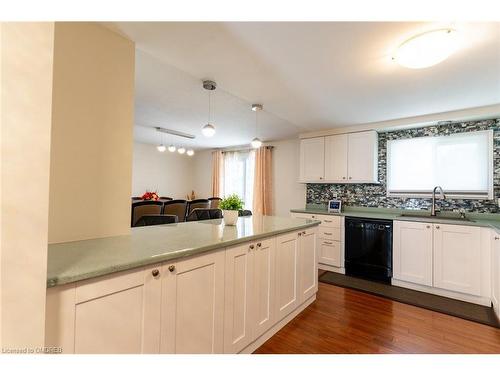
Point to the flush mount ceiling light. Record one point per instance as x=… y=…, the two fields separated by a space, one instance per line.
x=426 y=49
x=256 y=142
x=181 y=150
x=190 y=152
x=209 y=130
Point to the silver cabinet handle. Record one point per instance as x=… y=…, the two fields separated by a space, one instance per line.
x=155 y=272
x=437 y=226
x=259 y=244
x=497 y=238
x=328 y=234
x=171 y=268
x=304 y=232
x=350 y=178
x=252 y=247
x=427 y=226
x=343 y=178
x=300 y=233
x=327 y=221
x=327 y=243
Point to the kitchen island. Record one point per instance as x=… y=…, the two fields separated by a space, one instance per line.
x=197 y=287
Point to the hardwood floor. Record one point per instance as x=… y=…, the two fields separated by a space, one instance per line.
x=347 y=321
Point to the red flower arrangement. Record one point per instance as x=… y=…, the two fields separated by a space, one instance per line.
x=150 y=196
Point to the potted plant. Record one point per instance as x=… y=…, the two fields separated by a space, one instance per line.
x=230 y=206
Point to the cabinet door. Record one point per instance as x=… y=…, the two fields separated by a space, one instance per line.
x=192 y=308
x=264 y=286
x=119 y=313
x=495 y=272
x=336 y=158
x=457 y=258
x=312 y=159
x=287 y=258
x=308 y=265
x=238 y=297
x=412 y=252
x=329 y=253
x=362 y=157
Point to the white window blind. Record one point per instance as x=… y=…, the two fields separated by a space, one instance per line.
x=239 y=170
x=462 y=164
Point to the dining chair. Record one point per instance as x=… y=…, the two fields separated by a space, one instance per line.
x=159 y=219
x=244 y=213
x=141 y=208
x=214 y=202
x=177 y=207
x=197 y=203
x=204 y=214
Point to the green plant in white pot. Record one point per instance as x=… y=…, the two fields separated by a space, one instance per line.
x=230 y=207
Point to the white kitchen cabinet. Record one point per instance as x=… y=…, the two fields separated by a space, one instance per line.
x=336 y=157
x=287 y=284
x=308 y=265
x=312 y=159
x=412 y=252
x=495 y=273
x=192 y=308
x=343 y=158
x=330 y=252
x=457 y=258
x=249 y=293
x=83 y=318
x=362 y=157
x=264 y=261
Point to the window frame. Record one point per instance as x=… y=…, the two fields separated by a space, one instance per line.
x=450 y=194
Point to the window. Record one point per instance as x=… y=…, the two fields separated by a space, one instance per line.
x=239 y=167
x=462 y=164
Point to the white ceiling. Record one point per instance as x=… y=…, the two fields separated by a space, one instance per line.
x=309 y=76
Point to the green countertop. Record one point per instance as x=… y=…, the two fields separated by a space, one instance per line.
x=476 y=219
x=79 y=260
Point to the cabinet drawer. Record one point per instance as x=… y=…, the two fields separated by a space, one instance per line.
x=328 y=233
x=328 y=220
x=329 y=253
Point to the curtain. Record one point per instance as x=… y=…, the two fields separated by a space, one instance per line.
x=262 y=190
x=239 y=169
x=217 y=171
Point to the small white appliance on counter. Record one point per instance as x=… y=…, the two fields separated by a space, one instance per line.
x=335 y=206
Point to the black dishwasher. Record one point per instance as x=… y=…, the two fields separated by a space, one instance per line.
x=368 y=248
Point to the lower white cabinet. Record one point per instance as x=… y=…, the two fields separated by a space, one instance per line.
x=457 y=258
x=192 y=308
x=222 y=301
x=412 y=252
x=118 y=313
x=249 y=293
x=495 y=273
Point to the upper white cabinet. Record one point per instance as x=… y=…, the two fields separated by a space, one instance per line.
x=336 y=157
x=457 y=258
x=343 y=158
x=312 y=159
x=412 y=252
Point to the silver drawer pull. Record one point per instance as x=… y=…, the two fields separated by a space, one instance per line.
x=327 y=221
x=327 y=243
x=328 y=234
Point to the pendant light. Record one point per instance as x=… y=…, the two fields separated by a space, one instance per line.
x=161 y=147
x=190 y=152
x=172 y=148
x=181 y=150
x=209 y=130
x=256 y=142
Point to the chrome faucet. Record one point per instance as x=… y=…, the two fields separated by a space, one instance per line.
x=433 y=208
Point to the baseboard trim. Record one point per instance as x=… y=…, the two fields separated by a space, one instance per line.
x=274 y=329
x=484 y=301
x=327 y=267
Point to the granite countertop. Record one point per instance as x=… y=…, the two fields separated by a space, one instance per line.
x=79 y=260
x=476 y=219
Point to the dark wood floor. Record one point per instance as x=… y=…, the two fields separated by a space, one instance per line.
x=347 y=321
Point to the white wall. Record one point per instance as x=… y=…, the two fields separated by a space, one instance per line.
x=287 y=192
x=27 y=51
x=202 y=173
x=170 y=174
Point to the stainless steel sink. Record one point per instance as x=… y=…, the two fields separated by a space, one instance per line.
x=439 y=218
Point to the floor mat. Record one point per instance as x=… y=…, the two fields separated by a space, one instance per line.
x=465 y=310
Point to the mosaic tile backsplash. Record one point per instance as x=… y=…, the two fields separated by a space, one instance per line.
x=374 y=195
